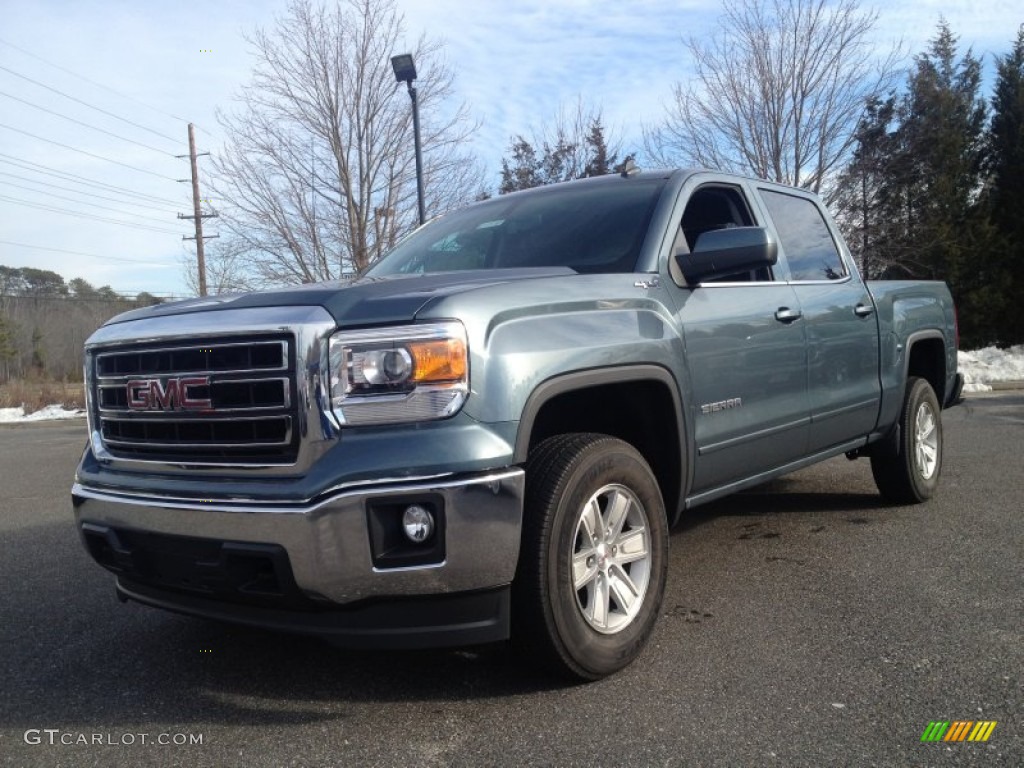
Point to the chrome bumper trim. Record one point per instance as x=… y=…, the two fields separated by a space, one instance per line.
x=328 y=542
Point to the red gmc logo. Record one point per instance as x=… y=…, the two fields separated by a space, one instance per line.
x=167 y=394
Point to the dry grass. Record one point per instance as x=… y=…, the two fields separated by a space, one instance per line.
x=34 y=394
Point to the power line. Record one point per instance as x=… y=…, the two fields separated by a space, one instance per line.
x=91 y=127
x=82 y=151
x=87 y=104
x=84 y=202
x=73 y=178
x=104 y=87
x=78 y=214
x=80 y=192
x=80 y=253
x=91 y=82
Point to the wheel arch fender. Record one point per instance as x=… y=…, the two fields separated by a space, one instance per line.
x=928 y=365
x=603 y=385
x=908 y=363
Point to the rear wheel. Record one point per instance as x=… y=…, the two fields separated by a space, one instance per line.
x=906 y=470
x=594 y=555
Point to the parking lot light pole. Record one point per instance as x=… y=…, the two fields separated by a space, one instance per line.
x=405 y=72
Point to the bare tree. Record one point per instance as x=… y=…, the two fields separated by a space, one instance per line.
x=227 y=267
x=778 y=91
x=318 y=177
x=44 y=321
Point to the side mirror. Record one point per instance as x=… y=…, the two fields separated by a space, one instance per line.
x=719 y=252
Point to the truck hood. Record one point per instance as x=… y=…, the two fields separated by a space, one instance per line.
x=356 y=302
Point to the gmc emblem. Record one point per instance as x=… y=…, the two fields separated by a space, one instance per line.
x=167 y=394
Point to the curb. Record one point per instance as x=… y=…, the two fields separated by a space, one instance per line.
x=1006 y=385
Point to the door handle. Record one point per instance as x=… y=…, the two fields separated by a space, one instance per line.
x=863 y=310
x=787 y=315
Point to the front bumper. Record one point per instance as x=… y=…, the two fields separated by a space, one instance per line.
x=437 y=621
x=318 y=567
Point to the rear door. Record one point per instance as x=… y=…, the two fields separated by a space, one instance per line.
x=838 y=317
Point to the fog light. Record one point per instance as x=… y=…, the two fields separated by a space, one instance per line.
x=418 y=523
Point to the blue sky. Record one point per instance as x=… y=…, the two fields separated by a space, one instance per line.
x=516 y=64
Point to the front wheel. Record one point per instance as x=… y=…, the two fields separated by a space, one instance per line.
x=594 y=555
x=907 y=470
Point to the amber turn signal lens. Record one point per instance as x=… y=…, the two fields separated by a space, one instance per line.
x=438 y=360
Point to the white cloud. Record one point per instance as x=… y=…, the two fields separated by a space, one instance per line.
x=516 y=63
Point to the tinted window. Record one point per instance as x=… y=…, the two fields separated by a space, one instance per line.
x=713 y=208
x=589 y=227
x=810 y=250
x=719 y=207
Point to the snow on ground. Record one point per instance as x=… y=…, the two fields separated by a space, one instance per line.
x=980 y=369
x=50 y=412
x=984 y=366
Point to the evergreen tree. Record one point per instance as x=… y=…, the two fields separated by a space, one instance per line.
x=860 y=198
x=81 y=289
x=43 y=282
x=146 y=299
x=1005 y=189
x=575 y=147
x=523 y=170
x=598 y=161
x=937 y=229
x=12 y=283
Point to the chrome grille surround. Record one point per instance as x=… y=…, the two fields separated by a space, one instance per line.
x=258 y=370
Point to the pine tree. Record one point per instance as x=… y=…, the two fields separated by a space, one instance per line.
x=43 y=282
x=598 y=161
x=1005 y=189
x=572 y=147
x=860 y=198
x=938 y=229
x=523 y=170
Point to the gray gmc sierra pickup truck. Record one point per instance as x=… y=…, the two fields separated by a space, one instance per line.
x=489 y=433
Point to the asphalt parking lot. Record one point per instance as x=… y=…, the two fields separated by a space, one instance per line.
x=805 y=624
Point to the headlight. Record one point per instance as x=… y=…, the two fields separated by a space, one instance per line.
x=391 y=375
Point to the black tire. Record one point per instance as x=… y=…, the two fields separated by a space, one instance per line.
x=574 y=481
x=906 y=469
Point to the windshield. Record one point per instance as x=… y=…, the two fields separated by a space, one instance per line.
x=586 y=227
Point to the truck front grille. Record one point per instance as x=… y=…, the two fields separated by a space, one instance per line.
x=203 y=402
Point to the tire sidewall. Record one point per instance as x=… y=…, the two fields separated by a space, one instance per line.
x=921 y=393
x=598 y=654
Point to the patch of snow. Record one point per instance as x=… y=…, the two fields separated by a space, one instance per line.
x=49 y=413
x=982 y=367
x=11 y=414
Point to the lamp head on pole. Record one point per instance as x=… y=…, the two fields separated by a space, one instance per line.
x=405 y=72
x=405 y=69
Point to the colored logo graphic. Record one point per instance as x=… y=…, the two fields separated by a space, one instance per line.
x=958 y=730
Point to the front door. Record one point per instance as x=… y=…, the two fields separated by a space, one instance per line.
x=748 y=371
x=746 y=354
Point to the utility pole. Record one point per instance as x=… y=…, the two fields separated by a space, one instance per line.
x=197 y=215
